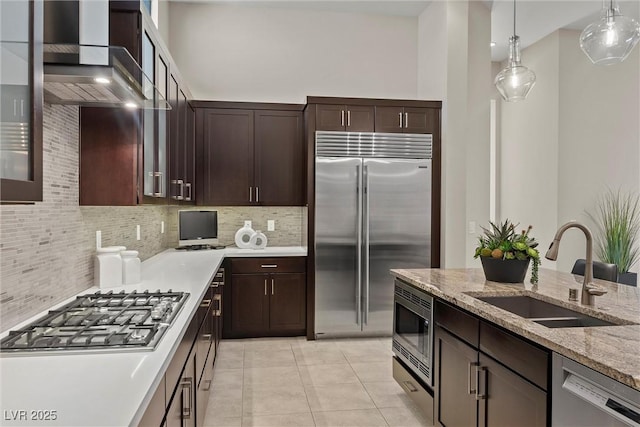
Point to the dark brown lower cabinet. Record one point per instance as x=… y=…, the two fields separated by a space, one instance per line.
x=250 y=308
x=287 y=302
x=265 y=297
x=181 y=398
x=155 y=411
x=182 y=410
x=509 y=397
x=456 y=403
x=497 y=380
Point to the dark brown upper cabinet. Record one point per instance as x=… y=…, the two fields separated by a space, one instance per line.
x=402 y=120
x=149 y=153
x=21 y=106
x=226 y=164
x=250 y=156
x=182 y=142
x=279 y=157
x=351 y=118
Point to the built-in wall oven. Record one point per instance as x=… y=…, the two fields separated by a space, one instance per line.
x=412 y=330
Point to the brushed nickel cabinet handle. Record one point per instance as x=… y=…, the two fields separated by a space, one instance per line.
x=250 y=194
x=348 y=118
x=409 y=386
x=272 y=287
x=479 y=369
x=206 y=337
x=188 y=186
x=187 y=384
x=257 y=195
x=269 y=265
x=265 y=286
x=342 y=118
x=205 y=303
x=472 y=390
x=406 y=120
x=400 y=116
x=158 y=176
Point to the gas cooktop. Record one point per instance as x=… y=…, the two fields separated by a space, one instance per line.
x=100 y=321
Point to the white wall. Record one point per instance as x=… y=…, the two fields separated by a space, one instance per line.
x=432 y=52
x=237 y=53
x=576 y=134
x=454 y=64
x=163 y=20
x=599 y=142
x=480 y=90
x=529 y=148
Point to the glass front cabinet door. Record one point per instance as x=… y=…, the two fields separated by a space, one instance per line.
x=21 y=106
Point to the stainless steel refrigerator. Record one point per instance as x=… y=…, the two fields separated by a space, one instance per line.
x=372 y=213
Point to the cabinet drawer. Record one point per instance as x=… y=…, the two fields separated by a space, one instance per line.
x=414 y=389
x=458 y=322
x=526 y=359
x=268 y=265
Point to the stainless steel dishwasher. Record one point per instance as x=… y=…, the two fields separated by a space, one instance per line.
x=586 y=398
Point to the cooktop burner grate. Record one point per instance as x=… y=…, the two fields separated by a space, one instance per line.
x=134 y=321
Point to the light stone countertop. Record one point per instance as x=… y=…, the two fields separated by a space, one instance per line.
x=111 y=387
x=611 y=350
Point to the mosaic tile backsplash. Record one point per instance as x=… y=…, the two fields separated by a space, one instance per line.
x=47 y=249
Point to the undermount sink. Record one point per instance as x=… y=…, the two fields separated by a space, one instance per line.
x=545 y=313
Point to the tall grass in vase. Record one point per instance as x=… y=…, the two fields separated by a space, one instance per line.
x=618 y=229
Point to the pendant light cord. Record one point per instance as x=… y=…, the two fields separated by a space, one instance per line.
x=514 y=17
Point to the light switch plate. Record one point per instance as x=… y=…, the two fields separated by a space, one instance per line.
x=161 y=227
x=247 y=223
x=271 y=225
x=138 y=232
x=98 y=239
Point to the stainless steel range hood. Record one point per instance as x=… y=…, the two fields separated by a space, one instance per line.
x=80 y=68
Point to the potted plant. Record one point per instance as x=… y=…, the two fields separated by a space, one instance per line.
x=505 y=254
x=618 y=227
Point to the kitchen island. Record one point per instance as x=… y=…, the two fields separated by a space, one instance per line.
x=613 y=351
x=111 y=388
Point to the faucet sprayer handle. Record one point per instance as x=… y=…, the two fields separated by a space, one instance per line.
x=595 y=290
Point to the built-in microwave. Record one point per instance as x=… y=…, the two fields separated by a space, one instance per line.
x=412 y=329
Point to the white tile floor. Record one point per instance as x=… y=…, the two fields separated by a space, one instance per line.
x=295 y=382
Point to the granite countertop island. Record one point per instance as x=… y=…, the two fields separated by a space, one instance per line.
x=611 y=350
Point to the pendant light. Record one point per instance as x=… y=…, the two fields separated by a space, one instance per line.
x=611 y=39
x=515 y=81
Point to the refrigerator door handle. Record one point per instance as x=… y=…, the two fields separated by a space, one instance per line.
x=359 y=191
x=365 y=204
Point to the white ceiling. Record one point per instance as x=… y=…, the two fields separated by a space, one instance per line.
x=535 y=18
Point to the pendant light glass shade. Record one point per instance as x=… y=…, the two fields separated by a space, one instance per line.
x=515 y=81
x=612 y=38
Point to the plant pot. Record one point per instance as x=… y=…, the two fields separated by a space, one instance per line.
x=504 y=270
x=628 y=278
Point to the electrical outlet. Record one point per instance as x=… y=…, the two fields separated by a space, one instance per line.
x=98 y=239
x=271 y=225
x=247 y=223
x=138 y=232
x=472 y=227
x=161 y=227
